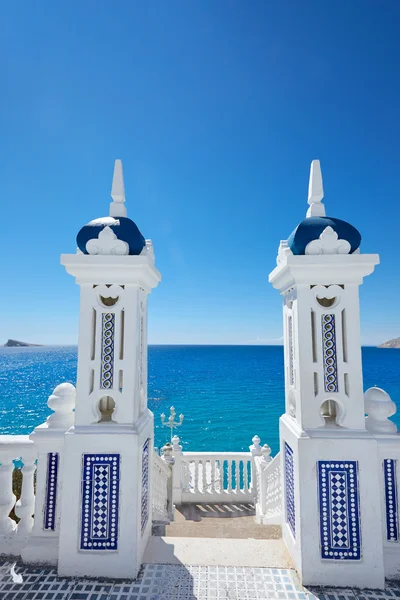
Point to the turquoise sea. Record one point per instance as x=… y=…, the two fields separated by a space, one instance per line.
x=227 y=393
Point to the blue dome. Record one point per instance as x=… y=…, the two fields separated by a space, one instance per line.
x=311 y=228
x=125 y=229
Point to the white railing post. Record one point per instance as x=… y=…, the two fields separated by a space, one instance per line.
x=7 y=498
x=255 y=450
x=177 y=474
x=42 y=545
x=25 y=506
x=265 y=460
x=12 y=535
x=170 y=461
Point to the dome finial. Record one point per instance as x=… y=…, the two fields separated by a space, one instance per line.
x=117 y=207
x=315 y=191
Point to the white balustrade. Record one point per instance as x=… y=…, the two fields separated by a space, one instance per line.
x=162 y=487
x=13 y=535
x=268 y=488
x=216 y=477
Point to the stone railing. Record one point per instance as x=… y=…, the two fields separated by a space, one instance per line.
x=161 y=494
x=32 y=465
x=380 y=407
x=268 y=489
x=13 y=535
x=214 y=476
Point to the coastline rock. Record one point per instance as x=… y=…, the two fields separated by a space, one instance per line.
x=17 y=344
x=395 y=343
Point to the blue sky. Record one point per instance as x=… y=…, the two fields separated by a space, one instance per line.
x=216 y=109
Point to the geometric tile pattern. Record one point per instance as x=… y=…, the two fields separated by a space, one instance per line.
x=340 y=530
x=145 y=485
x=289 y=487
x=291 y=350
x=49 y=521
x=100 y=489
x=107 y=350
x=390 y=477
x=175 y=582
x=329 y=353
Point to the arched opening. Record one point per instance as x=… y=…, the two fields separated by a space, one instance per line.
x=108 y=301
x=331 y=412
x=326 y=302
x=106 y=408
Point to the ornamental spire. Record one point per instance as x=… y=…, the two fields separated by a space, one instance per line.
x=315 y=191
x=117 y=207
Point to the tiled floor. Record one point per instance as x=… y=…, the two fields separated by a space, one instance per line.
x=174 y=582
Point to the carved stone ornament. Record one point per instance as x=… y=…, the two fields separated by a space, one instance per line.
x=283 y=252
x=328 y=243
x=107 y=243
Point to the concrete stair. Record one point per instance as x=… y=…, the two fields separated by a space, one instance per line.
x=217 y=535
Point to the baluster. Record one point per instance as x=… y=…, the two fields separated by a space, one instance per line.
x=196 y=476
x=229 y=465
x=238 y=462
x=186 y=475
x=246 y=476
x=25 y=506
x=212 y=475
x=7 y=498
x=204 y=476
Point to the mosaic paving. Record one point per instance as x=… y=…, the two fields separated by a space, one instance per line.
x=175 y=582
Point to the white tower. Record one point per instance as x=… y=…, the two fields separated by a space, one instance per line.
x=332 y=510
x=105 y=520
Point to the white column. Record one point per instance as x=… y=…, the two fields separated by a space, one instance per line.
x=48 y=438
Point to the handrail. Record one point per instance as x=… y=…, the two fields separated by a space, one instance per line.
x=165 y=468
x=268 y=490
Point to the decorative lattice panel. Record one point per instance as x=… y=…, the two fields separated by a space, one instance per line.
x=100 y=497
x=339 y=510
x=107 y=351
x=289 y=489
x=51 y=491
x=329 y=353
x=390 y=478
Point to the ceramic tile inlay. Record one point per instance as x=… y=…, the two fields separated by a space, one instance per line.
x=390 y=476
x=289 y=487
x=340 y=530
x=100 y=496
x=291 y=350
x=145 y=485
x=329 y=353
x=107 y=350
x=51 y=491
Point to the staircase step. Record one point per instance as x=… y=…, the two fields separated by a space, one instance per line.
x=217 y=552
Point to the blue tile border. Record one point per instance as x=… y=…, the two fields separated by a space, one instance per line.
x=289 y=489
x=100 y=499
x=340 y=528
x=145 y=485
x=49 y=517
x=391 y=499
x=329 y=353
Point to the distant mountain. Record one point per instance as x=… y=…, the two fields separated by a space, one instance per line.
x=16 y=344
x=395 y=343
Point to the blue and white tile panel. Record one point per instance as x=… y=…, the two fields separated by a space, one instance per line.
x=145 y=485
x=49 y=521
x=329 y=353
x=291 y=350
x=107 y=350
x=100 y=499
x=289 y=489
x=390 y=478
x=340 y=529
